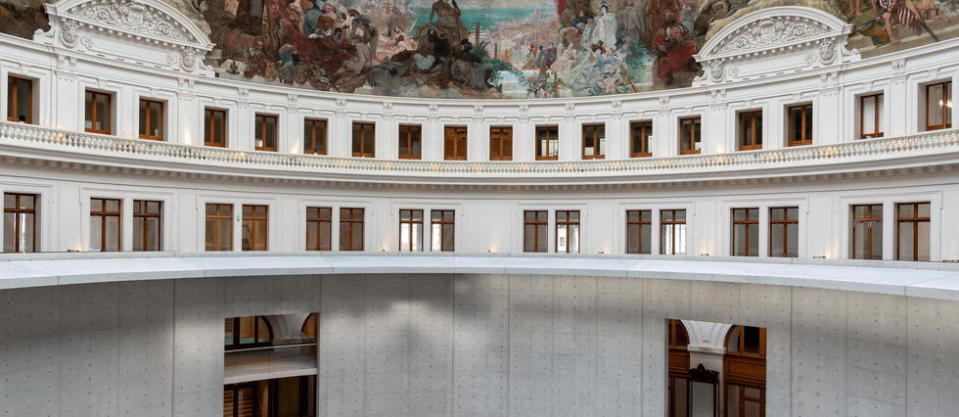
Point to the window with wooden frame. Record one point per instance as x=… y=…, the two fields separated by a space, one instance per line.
x=690 y=135
x=745 y=232
x=594 y=141
x=411 y=142
x=799 y=125
x=98 y=112
x=105 y=214
x=255 y=227
x=677 y=343
x=151 y=119
x=442 y=225
x=266 y=130
x=912 y=231
x=247 y=332
x=364 y=140
x=319 y=228
x=567 y=231
x=547 y=143
x=672 y=232
x=750 y=130
x=639 y=231
x=870 y=115
x=20 y=222
x=938 y=105
x=20 y=99
x=501 y=143
x=784 y=232
x=639 y=134
x=454 y=143
x=214 y=127
x=219 y=227
x=535 y=230
x=411 y=230
x=351 y=229
x=744 y=372
x=147 y=225
x=314 y=136
x=866 y=231
x=279 y=397
x=241 y=400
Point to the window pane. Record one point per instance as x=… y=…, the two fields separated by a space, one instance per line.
x=935 y=98
x=776 y=240
x=647 y=238
x=112 y=233
x=869 y=114
x=541 y=237
x=574 y=239
x=792 y=243
x=923 y=238
x=9 y=234
x=632 y=238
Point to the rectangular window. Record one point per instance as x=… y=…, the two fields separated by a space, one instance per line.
x=98 y=108
x=639 y=135
x=784 y=232
x=547 y=143
x=314 y=136
x=745 y=233
x=319 y=228
x=19 y=99
x=214 y=127
x=219 y=227
x=265 y=134
x=364 y=140
x=501 y=143
x=672 y=232
x=567 y=231
x=939 y=105
x=105 y=224
x=147 y=225
x=411 y=230
x=912 y=231
x=866 y=231
x=411 y=142
x=20 y=222
x=351 y=229
x=454 y=143
x=870 y=116
x=535 y=224
x=750 y=130
x=639 y=231
x=594 y=141
x=690 y=135
x=151 y=119
x=255 y=229
x=442 y=223
x=799 y=125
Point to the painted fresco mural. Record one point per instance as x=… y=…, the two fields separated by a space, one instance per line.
x=496 y=48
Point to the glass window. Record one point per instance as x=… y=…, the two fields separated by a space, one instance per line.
x=319 y=228
x=364 y=140
x=501 y=143
x=547 y=142
x=442 y=223
x=411 y=230
x=690 y=135
x=745 y=235
x=639 y=231
x=20 y=229
x=266 y=132
x=147 y=225
x=750 y=130
x=105 y=224
x=97 y=111
x=866 y=231
x=912 y=231
x=639 y=135
x=799 y=126
x=314 y=136
x=151 y=119
x=535 y=224
x=454 y=143
x=219 y=227
x=351 y=229
x=870 y=116
x=939 y=105
x=567 y=231
x=672 y=232
x=214 y=127
x=594 y=141
x=246 y=332
x=410 y=142
x=255 y=235
x=19 y=99
x=784 y=232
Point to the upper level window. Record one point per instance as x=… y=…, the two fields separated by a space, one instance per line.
x=20 y=222
x=547 y=142
x=351 y=229
x=214 y=127
x=866 y=231
x=314 y=136
x=265 y=134
x=19 y=99
x=870 y=116
x=147 y=225
x=105 y=224
x=255 y=227
x=639 y=231
x=319 y=228
x=501 y=143
x=939 y=105
x=746 y=340
x=672 y=232
x=912 y=231
x=799 y=125
x=454 y=143
x=246 y=332
x=411 y=142
x=594 y=141
x=411 y=230
x=535 y=224
x=750 y=130
x=639 y=135
x=364 y=140
x=151 y=119
x=567 y=231
x=784 y=231
x=745 y=236
x=442 y=223
x=98 y=109
x=690 y=135
x=219 y=227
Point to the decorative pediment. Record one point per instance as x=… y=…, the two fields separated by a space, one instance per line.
x=148 y=32
x=774 y=41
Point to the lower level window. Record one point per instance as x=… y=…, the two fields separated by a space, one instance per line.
x=639 y=231
x=281 y=397
x=411 y=230
x=784 y=232
x=912 y=231
x=219 y=227
x=147 y=225
x=105 y=224
x=319 y=228
x=255 y=227
x=351 y=229
x=20 y=222
x=672 y=232
x=866 y=233
x=745 y=236
x=567 y=231
x=442 y=224
x=535 y=224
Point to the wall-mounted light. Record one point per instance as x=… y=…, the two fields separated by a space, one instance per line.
x=704 y=254
x=819 y=257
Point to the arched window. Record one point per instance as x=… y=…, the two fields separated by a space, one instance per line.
x=247 y=332
x=677 y=340
x=310 y=326
x=744 y=372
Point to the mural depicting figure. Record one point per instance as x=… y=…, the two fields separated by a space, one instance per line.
x=491 y=48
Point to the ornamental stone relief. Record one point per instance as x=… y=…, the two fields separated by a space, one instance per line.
x=771 y=32
x=134 y=17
